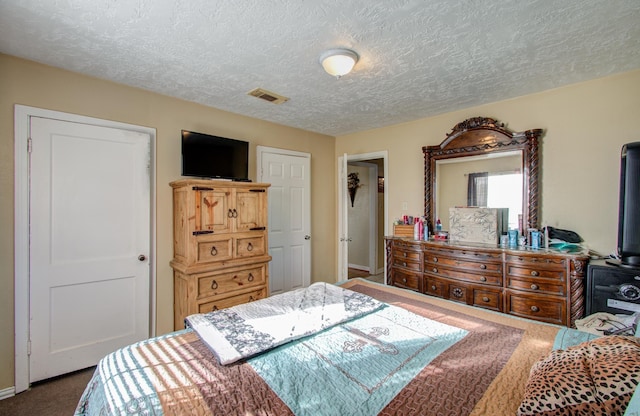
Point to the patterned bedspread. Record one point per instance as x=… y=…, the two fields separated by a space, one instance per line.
x=418 y=355
x=252 y=328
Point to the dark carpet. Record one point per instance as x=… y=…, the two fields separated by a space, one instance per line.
x=58 y=396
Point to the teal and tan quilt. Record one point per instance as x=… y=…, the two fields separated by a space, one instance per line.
x=412 y=355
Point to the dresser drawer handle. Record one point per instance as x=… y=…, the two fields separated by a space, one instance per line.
x=250 y=278
x=404 y=254
x=214 y=251
x=214 y=284
x=534 y=287
x=433 y=287
x=435 y=259
x=534 y=308
x=534 y=273
x=483 y=266
x=249 y=247
x=404 y=264
x=435 y=270
x=485 y=299
x=483 y=279
x=215 y=308
x=404 y=280
x=230 y=213
x=251 y=299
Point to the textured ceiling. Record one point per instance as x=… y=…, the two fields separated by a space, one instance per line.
x=418 y=58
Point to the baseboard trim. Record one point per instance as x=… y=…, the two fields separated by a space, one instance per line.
x=8 y=392
x=358 y=267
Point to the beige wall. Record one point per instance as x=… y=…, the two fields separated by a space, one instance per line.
x=585 y=127
x=32 y=84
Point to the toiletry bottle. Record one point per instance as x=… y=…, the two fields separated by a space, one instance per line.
x=416 y=230
x=438 y=225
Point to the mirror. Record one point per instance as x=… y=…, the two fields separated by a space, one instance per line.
x=483 y=148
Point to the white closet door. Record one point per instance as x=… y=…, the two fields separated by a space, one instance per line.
x=89 y=243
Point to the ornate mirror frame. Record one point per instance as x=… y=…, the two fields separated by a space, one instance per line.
x=478 y=136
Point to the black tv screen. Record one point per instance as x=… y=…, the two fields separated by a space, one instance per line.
x=207 y=156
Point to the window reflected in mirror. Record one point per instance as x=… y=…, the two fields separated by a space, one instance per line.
x=492 y=181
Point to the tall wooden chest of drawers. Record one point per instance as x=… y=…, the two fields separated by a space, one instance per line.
x=543 y=285
x=220 y=255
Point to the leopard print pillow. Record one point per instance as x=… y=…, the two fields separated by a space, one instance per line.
x=596 y=377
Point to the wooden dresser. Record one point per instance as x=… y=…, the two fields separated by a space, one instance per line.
x=543 y=285
x=220 y=250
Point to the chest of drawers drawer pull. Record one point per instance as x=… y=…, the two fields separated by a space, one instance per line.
x=251 y=299
x=485 y=299
x=534 y=286
x=483 y=279
x=202 y=232
x=249 y=247
x=404 y=280
x=214 y=285
x=534 y=308
x=215 y=308
x=483 y=266
x=435 y=270
x=433 y=287
x=214 y=251
x=435 y=259
x=250 y=277
x=404 y=254
x=534 y=273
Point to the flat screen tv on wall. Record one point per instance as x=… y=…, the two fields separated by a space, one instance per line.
x=213 y=157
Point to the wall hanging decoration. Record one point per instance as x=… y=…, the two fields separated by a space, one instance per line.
x=353 y=183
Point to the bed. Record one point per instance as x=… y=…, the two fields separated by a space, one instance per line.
x=412 y=354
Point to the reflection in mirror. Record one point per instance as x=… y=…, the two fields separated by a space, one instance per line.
x=492 y=180
x=486 y=139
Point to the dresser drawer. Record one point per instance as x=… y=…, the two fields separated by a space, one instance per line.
x=404 y=254
x=435 y=286
x=533 y=260
x=552 y=287
x=540 y=308
x=461 y=274
x=431 y=260
x=522 y=270
x=406 y=280
x=484 y=256
x=250 y=246
x=230 y=301
x=211 y=249
x=406 y=245
x=219 y=284
x=407 y=263
x=488 y=299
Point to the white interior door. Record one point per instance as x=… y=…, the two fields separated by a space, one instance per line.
x=90 y=243
x=289 y=217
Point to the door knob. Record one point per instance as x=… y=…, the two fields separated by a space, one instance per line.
x=307 y=237
x=142 y=257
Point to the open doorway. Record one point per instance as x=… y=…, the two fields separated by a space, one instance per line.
x=363 y=218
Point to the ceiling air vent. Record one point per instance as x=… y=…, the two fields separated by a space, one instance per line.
x=268 y=96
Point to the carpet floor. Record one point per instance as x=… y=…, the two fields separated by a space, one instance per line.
x=58 y=396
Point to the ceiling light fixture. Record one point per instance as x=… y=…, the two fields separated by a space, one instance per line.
x=338 y=62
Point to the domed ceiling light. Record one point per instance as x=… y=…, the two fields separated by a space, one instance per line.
x=338 y=62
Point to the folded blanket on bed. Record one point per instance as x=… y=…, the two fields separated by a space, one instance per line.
x=246 y=330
